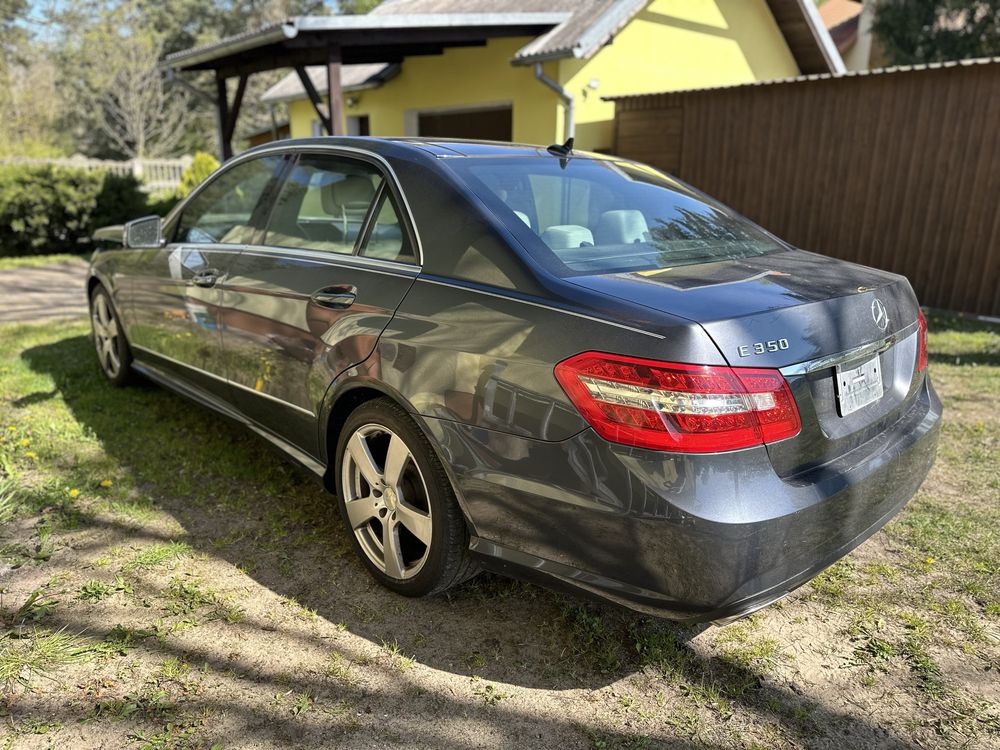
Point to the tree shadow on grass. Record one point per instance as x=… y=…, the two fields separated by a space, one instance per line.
x=238 y=502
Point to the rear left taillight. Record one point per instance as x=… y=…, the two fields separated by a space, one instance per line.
x=679 y=407
x=921 y=341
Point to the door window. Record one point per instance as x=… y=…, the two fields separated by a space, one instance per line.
x=387 y=240
x=323 y=205
x=223 y=212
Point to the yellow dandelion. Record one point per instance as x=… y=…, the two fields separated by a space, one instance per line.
x=25 y=442
x=930 y=560
x=31 y=454
x=74 y=492
x=106 y=483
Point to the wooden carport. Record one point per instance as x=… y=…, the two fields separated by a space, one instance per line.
x=333 y=41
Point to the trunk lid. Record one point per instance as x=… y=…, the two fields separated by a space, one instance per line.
x=804 y=314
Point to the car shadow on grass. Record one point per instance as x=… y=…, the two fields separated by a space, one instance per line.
x=239 y=502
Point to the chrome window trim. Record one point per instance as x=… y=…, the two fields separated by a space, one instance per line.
x=359 y=262
x=227 y=381
x=832 y=360
x=331 y=149
x=540 y=305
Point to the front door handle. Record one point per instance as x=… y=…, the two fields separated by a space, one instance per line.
x=338 y=297
x=206 y=277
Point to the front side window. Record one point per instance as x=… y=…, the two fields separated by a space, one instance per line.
x=223 y=212
x=323 y=204
x=585 y=216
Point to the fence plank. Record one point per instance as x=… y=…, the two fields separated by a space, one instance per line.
x=155 y=174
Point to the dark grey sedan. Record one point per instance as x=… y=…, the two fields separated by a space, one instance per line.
x=556 y=365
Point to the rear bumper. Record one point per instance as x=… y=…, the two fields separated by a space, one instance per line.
x=688 y=537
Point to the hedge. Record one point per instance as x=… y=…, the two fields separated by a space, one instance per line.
x=46 y=209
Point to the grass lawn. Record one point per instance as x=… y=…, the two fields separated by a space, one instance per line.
x=167 y=581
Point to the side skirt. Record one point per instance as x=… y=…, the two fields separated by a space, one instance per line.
x=202 y=398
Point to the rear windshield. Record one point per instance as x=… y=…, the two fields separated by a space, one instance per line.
x=600 y=216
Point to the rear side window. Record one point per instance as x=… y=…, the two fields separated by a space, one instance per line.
x=323 y=205
x=223 y=212
x=584 y=215
x=387 y=239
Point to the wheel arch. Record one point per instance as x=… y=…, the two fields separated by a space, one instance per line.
x=348 y=394
x=97 y=279
x=94 y=281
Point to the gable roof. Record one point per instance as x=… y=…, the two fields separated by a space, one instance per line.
x=352 y=78
x=593 y=23
x=842 y=19
x=806 y=36
x=583 y=28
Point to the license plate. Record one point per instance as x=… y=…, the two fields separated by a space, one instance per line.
x=859 y=386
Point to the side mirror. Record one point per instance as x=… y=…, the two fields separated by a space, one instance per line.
x=144 y=232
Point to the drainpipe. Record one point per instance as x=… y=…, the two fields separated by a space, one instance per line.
x=564 y=95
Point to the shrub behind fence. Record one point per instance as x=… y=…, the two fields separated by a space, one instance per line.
x=48 y=209
x=155 y=175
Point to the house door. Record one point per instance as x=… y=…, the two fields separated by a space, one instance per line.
x=493 y=124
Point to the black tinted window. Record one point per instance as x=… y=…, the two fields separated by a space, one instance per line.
x=323 y=204
x=596 y=216
x=222 y=212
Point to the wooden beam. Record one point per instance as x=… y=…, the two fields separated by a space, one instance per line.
x=314 y=97
x=234 y=110
x=334 y=91
x=222 y=111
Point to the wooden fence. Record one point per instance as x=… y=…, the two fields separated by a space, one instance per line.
x=898 y=169
x=155 y=174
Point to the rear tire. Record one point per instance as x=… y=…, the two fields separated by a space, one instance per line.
x=398 y=503
x=114 y=356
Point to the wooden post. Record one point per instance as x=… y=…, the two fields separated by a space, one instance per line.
x=323 y=114
x=234 y=111
x=222 y=109
x=334 y=91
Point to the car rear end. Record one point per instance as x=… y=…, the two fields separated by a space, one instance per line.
x=774 y=472
x=735 y=483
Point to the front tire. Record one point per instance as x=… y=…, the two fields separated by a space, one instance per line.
x=113 y=353
x=398 y=503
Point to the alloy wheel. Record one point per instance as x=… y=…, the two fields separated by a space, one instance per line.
x=106 y=336
x=386 y=499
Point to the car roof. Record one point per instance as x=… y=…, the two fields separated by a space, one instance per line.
x=438 y=147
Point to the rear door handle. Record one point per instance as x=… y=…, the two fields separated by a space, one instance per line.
x=338 y=297
x=206 y=277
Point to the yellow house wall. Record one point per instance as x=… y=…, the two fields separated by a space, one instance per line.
x=674 y=45
x=461 y=77
x=670 y=45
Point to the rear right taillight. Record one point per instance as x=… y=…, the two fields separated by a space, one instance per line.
x=679 y=407
x=921 y=341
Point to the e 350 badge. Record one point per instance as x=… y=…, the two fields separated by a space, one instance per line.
x=763 y=347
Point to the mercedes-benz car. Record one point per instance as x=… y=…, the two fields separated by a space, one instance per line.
x=551 y=364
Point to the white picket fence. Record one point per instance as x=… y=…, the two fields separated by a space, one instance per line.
x=155 y=174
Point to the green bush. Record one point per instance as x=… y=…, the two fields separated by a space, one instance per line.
x=197 y=172
x=45 y=209
x=121 y=199
x=162 y=202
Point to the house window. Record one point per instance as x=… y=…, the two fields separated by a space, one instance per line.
x=356 y=125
